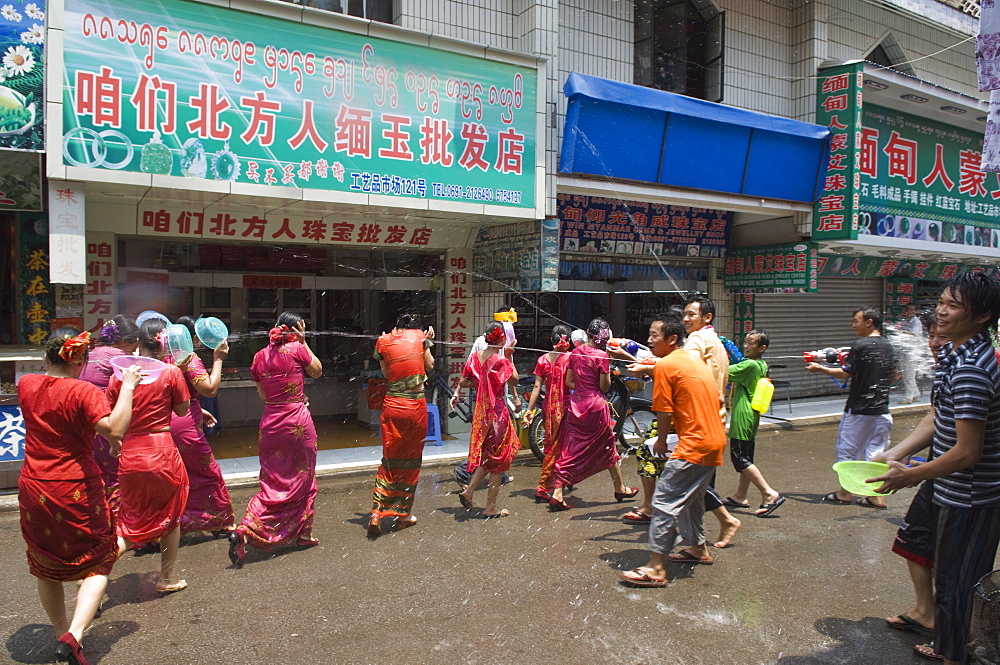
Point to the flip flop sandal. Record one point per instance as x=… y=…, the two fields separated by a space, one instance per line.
x=466 y=503
x=687 y=557
x=503 y=513
x=867 y=501
x=927 y=652
x=905 y=623
x=638 y=577
x=636 y=516
x=768 y=508
x=833 y=498
x=732 y=503
x=174 y=587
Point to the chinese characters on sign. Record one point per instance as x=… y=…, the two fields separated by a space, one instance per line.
x=790 y=266
x=99 y=293
x=461 y=330
x=67 y=242
x=922 y=180
x=838 y=106
x=870 y=267
x=898 y=294
x=218 y=94
x=743 y=314
x=11 y=433
x=509 y=254
x=612 y=226
x=37 y=293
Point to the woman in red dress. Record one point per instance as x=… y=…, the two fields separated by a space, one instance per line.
x=550 y=371
x=65 y=519
x=118 y=337
x=151 y=475
x=493 y=442
x=405 y=357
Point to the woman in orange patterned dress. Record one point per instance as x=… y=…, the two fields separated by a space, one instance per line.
x=550 y=370
x=493 y=442
x=65 y=518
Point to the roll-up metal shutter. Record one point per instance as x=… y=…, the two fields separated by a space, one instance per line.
x=798 y=322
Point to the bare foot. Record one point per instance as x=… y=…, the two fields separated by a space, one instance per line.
x=405 y=522
x=727 y=532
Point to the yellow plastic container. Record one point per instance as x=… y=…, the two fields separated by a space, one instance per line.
x=506 y=317
x=762 y=394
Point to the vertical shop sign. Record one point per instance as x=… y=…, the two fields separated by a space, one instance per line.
x=898 y=294
x=22 y=86
x=36 y=291
x=205 y=92
x=459 y=326
x=838 y=106
x=99 y=293
x=67 y=242
x=743 y=314
x=550 y=255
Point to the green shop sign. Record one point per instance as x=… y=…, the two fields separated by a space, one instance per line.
x=870 y=267
x=791 y=266
x=838 y=106
x=190 y=89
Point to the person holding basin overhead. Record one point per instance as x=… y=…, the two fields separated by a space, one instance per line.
x=282 y=512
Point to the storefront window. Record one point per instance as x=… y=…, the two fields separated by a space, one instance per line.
x=375 y=10
x=679 y=47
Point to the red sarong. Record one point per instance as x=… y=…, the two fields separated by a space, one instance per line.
x=404 y=429
x=153 y=486
x=67 y=527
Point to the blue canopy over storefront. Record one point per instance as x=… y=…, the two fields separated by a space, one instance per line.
x=629 y=132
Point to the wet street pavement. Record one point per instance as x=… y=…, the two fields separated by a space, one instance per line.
x=810 y=585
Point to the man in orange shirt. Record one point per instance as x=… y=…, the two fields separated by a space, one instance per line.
x=684 y=394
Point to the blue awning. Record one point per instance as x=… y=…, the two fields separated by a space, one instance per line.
x=629 y=132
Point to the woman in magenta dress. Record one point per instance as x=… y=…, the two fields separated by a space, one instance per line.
x=550 y=370
x=588 y=441
x=151 y=475
x=209 y=507
x=281 y=513
x=118 y=337
x=493 y=442
x=65 y=519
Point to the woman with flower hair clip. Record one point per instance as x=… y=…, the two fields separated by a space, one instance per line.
x=282 y=512
x=587 y=439
x=493 y=442
x=65 y=518
x=550 y=370
x=151 y=475
x=117 y=337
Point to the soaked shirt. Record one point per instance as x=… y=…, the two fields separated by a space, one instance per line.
x=967 y=387
x=872 y=366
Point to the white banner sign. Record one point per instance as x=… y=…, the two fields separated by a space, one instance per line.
x=67 y=242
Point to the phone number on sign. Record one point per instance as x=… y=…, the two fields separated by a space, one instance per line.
x=445 y=190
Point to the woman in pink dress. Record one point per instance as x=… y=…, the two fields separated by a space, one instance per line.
x=118 y=337
x=151 y=475
x=281 y=513
x=493 y=442
x=550 y=371
x=588 y=441
x=209 y=507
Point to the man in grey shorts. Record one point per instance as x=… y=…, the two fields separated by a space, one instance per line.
x=866 y=423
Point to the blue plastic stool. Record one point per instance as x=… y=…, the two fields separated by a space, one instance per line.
x=433 y=426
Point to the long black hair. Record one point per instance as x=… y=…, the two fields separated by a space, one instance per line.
x=149 y=334
x=290 y=319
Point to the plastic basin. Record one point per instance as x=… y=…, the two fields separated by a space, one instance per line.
x=179 y=341
x=211 y=331
x=149 y=368
x=853 y=474
x=150 y=314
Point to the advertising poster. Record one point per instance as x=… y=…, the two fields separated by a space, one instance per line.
x=22 y=80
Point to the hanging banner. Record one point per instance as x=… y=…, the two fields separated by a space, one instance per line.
x=791 y=266
x=550 y=255
x=838 y=106
x=612 y=226
x=67 y=241
x=20 y=180
x=190 y=89
x=22 y=86
x=36 y=291
x=898 y=294
x=922 y=180
x=99 y=294
x=744 y=312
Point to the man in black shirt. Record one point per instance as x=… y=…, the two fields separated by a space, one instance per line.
x=866 y=423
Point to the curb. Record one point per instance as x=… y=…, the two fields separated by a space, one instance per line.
x=828 y=418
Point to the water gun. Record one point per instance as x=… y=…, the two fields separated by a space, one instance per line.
x=733 y=351
x=508 y=319
x=631 y=347
x=829 y=356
